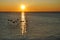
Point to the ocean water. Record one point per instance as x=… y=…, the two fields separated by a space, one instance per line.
x=39 y=26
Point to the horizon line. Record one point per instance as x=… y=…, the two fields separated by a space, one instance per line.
x=32 y=11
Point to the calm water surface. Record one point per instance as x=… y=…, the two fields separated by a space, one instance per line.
x=29 y=26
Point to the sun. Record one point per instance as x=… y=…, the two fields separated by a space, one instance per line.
x=22 y=7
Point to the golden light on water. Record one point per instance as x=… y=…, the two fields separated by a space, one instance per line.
x=23 y=23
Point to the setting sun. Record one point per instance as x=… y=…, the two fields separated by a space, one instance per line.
x=22 y=7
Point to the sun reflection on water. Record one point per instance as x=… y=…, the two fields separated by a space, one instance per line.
x=23 y=23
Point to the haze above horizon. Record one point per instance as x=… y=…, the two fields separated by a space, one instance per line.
x=32 y=5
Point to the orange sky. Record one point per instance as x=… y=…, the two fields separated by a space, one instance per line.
x=31 y=5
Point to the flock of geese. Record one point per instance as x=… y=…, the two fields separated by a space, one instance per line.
x=13 y=21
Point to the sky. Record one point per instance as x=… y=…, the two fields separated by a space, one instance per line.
x=31 y=5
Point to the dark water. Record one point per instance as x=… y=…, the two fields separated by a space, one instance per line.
x=40 y=26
